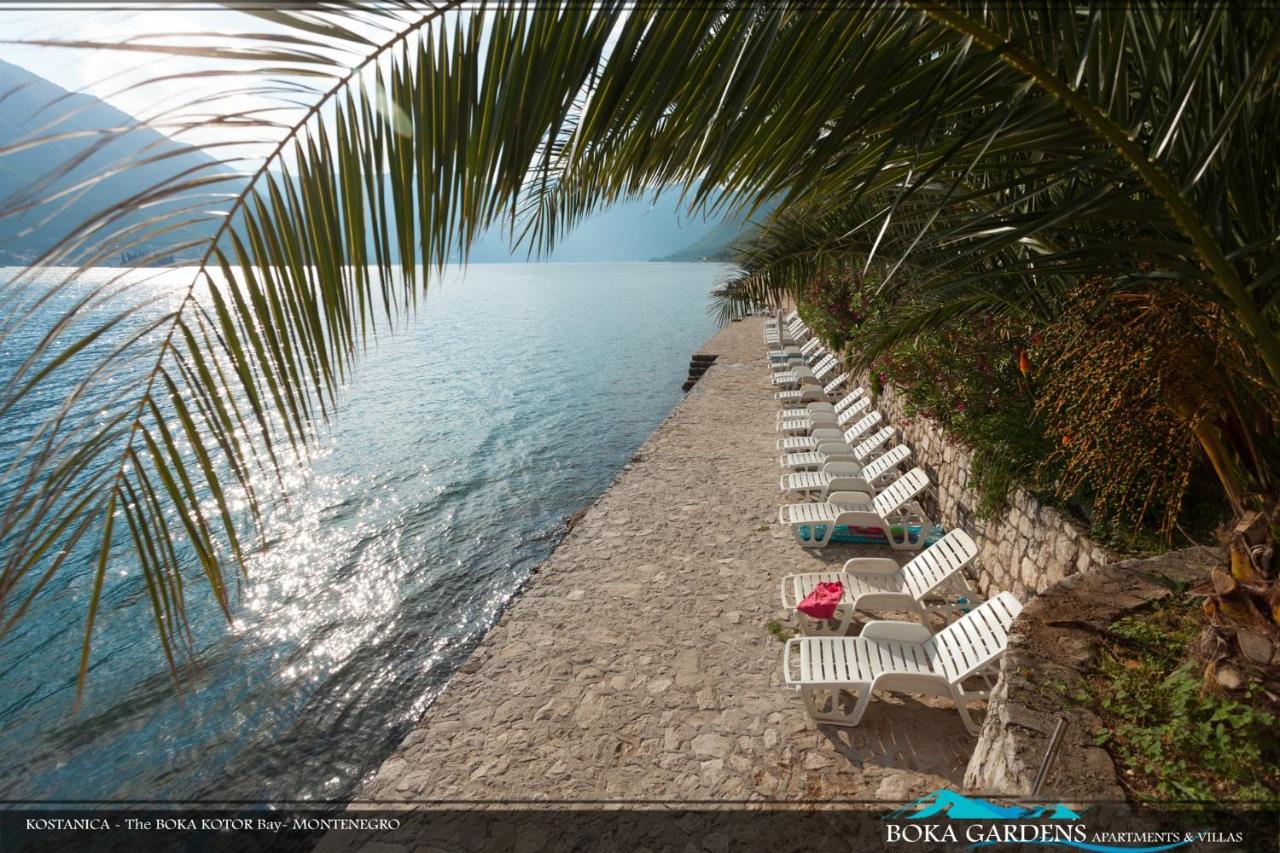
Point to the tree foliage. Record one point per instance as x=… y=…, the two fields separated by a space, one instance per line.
x=977 y=157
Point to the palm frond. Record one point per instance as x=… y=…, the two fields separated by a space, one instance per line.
x=421 y=143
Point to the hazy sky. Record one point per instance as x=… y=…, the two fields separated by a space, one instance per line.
x=114 y=75
x=98 y=71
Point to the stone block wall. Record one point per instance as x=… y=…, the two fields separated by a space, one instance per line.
x=1051 y=646
x=1027 y=548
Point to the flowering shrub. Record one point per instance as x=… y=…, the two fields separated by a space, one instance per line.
x=835 y=306
x=968 y=378
x=1099 y=411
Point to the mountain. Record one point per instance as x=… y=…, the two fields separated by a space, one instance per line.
x=31 y=106
x=715 y=245
x=632 y=230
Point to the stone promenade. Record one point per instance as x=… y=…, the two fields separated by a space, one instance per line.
x=638 y=663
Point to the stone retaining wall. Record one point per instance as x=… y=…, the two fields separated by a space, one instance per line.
x=1051 y=645
x=1028 y=547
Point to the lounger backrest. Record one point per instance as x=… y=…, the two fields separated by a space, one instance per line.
x=809 y=348
x=852 y=397
x=886 y=462
x=830 y=387
x=853 y=411
x=868 y=446
x=900 y=491
x=974 y=640
x=939 y=561
x=856 y=431
x=824 y=363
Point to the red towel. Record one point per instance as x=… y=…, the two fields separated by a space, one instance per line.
x=822 y=602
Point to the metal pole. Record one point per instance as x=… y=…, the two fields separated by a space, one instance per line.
x=1055 y=740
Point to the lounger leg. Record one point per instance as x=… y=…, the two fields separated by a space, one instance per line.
x=962 y=705
x=833 y=716
x=861 y=708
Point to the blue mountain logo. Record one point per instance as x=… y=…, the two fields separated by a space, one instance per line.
x=953 y=806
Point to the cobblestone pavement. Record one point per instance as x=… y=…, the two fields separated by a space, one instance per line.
x=638 y=663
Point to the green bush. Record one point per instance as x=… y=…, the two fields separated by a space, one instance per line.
x=966 y=377
x=1170 y=737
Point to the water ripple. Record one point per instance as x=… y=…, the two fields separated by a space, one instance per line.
x=460 y=447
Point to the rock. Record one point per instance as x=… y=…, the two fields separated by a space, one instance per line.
x=710 y=745
x=1229 y=677
x=1256 y=647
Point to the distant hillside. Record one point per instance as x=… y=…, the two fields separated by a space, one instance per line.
x=717 y=244
x=635 y=230
x=638 y=230
x=32 y=106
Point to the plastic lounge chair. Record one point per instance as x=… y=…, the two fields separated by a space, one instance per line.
x=826 y=367
x=893 y=517
x=819 y=361
x=832 y=673
x=785 y=355
x=932 y=582
x=795 y=377
x=820 y=406
x=819 y=437
x=790 y=332
x=870 y=446
x=847 y=475
x=809 y=393
x=810 y=453
x=824 y=420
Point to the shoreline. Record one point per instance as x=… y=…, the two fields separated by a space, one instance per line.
x=637 y=661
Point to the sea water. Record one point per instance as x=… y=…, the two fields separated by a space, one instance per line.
x=460 y=446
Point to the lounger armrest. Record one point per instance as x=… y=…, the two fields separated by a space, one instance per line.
x=872 y=566
x=787 y=674
x=895 y=632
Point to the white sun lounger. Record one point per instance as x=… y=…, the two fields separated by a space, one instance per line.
x=819 y=437
x=820 y=406
x=823 y=361
x=780 y=359
x=871 y=445
x=810 y=453
x=832 y=673
x=847 y=475
x=932 y=582
x=826 y=367
x=792 y=331
x=893 y=516
x=809 y=393
x=811 y=351
x=824 y=420
x=795 y=377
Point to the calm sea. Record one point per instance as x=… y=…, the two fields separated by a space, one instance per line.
x=461 y=446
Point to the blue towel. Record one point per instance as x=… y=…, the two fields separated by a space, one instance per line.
x=871 y=535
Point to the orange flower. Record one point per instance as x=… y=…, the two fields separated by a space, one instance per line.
x=1024 y=363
